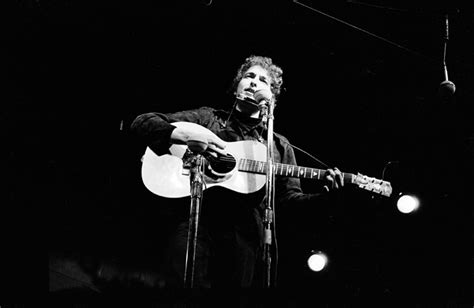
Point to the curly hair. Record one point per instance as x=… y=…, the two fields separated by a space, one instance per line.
x=275 y=72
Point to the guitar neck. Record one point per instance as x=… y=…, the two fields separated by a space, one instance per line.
x=253 y=166
x=367 y=183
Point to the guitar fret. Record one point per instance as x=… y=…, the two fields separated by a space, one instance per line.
x=314 y=172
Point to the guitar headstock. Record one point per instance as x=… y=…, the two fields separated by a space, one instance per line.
x=372 y=184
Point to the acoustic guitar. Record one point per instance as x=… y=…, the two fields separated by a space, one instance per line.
x=243 y=169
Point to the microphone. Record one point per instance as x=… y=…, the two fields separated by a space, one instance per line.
x=263 y=97
x=446 y=88
x=256 y=101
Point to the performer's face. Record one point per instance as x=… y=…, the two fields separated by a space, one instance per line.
x=254 y=79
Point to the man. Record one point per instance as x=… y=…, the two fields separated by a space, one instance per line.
x=230 y=230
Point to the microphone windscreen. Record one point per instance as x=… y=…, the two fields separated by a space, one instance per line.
x=263 y=95
x=446 y=89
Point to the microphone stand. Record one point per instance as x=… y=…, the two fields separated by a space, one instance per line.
x=267 y=111
x=196 y=189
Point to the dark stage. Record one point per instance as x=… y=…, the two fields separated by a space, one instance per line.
x=78 y=73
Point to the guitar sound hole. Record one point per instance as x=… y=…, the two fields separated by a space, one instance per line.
x=220 y=163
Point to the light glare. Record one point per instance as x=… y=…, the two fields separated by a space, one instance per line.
x=407 y=204
x=317 y=262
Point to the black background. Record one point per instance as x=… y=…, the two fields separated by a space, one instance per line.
x=356 y=95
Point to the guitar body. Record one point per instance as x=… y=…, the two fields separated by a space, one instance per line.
x=165 y=175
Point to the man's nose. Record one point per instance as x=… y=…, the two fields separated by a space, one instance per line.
x=253 y=84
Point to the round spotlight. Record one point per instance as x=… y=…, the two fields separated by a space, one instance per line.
x=317 y=261
x=408 y=203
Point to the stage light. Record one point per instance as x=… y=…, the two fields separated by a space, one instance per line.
x=407 y=203
x=317 y=261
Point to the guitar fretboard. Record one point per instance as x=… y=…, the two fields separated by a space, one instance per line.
x=260 y=167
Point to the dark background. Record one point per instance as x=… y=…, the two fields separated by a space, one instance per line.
x=78 y=72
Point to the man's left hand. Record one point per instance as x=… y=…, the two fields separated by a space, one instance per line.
x=334 y=179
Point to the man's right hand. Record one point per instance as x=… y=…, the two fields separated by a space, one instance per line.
x=183 y=135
